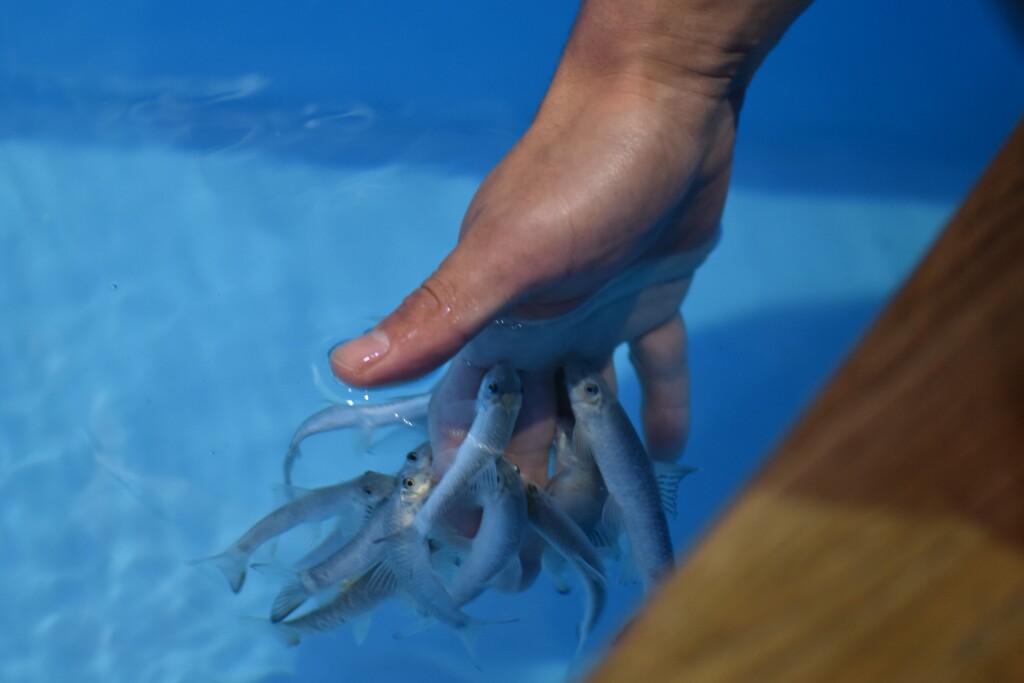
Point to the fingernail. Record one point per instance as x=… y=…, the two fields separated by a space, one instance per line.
x=360 y=353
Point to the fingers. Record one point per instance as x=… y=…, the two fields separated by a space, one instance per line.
x=451 y=411
x=609 y=376
x=530 y=447
x=659 y=357
x=437 y=319
x=451 y=414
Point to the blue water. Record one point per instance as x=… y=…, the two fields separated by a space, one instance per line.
x=194 y=202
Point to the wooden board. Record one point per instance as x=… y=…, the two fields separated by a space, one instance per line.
x=885 y=539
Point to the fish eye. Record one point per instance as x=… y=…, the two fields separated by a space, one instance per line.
x=590 y=388
x=492 y=387
x=408 y=483
x=367 y=489
x=412 y=457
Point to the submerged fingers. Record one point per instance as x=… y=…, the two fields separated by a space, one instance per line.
x=660 y=360
x=530 y=447
x=451 y=410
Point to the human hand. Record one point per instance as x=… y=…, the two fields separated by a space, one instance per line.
x=587 y=233
x=577 y=203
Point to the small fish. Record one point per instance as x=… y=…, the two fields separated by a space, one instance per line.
x=604 y=430
x=567 y=538
x=495 y=548
x=352 y=602
x=578 y=489
x=359 y=554
x=407 y=568
x=348 y=500
x=366 y=417
x=497 y=406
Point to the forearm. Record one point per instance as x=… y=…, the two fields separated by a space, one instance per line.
x=705 y=46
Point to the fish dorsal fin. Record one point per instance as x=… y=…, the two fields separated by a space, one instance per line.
x=669 y=477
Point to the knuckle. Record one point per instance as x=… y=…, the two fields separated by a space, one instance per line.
x=437 y=299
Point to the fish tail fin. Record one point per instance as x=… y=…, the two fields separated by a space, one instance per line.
x=232 y=563
x=469 y=634
x=291 y=455
x=290 y=635
x=554 y=566
x=418 y=626
x=581 y=638
x=361 y=627
x=282 y=631
x=364 y=440
x=597 y=595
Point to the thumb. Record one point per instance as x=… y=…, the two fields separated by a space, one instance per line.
x=436 y=320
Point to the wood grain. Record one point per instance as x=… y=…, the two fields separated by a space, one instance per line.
x=885 y=539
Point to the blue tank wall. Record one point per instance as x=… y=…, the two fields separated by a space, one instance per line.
x=853 y=91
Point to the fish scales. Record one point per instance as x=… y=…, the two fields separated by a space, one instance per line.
x=499 y=538
x=498 y=401
x=603 y=427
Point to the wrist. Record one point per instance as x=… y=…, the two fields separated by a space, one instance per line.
x=696 y=47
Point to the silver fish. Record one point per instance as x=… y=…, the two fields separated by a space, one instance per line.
x=495 y=548
x=497 y=405
x=567 y=538
x=407 y=568
x=359 y=554
x=352 y=499
x=603 y=429
x=366 y=417
x=578 y=488
x=351 y=602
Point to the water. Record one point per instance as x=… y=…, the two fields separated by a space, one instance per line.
x=192 y=207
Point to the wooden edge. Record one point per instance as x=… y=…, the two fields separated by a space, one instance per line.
x=885 y=539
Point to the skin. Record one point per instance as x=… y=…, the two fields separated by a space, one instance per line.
x=627 y=160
